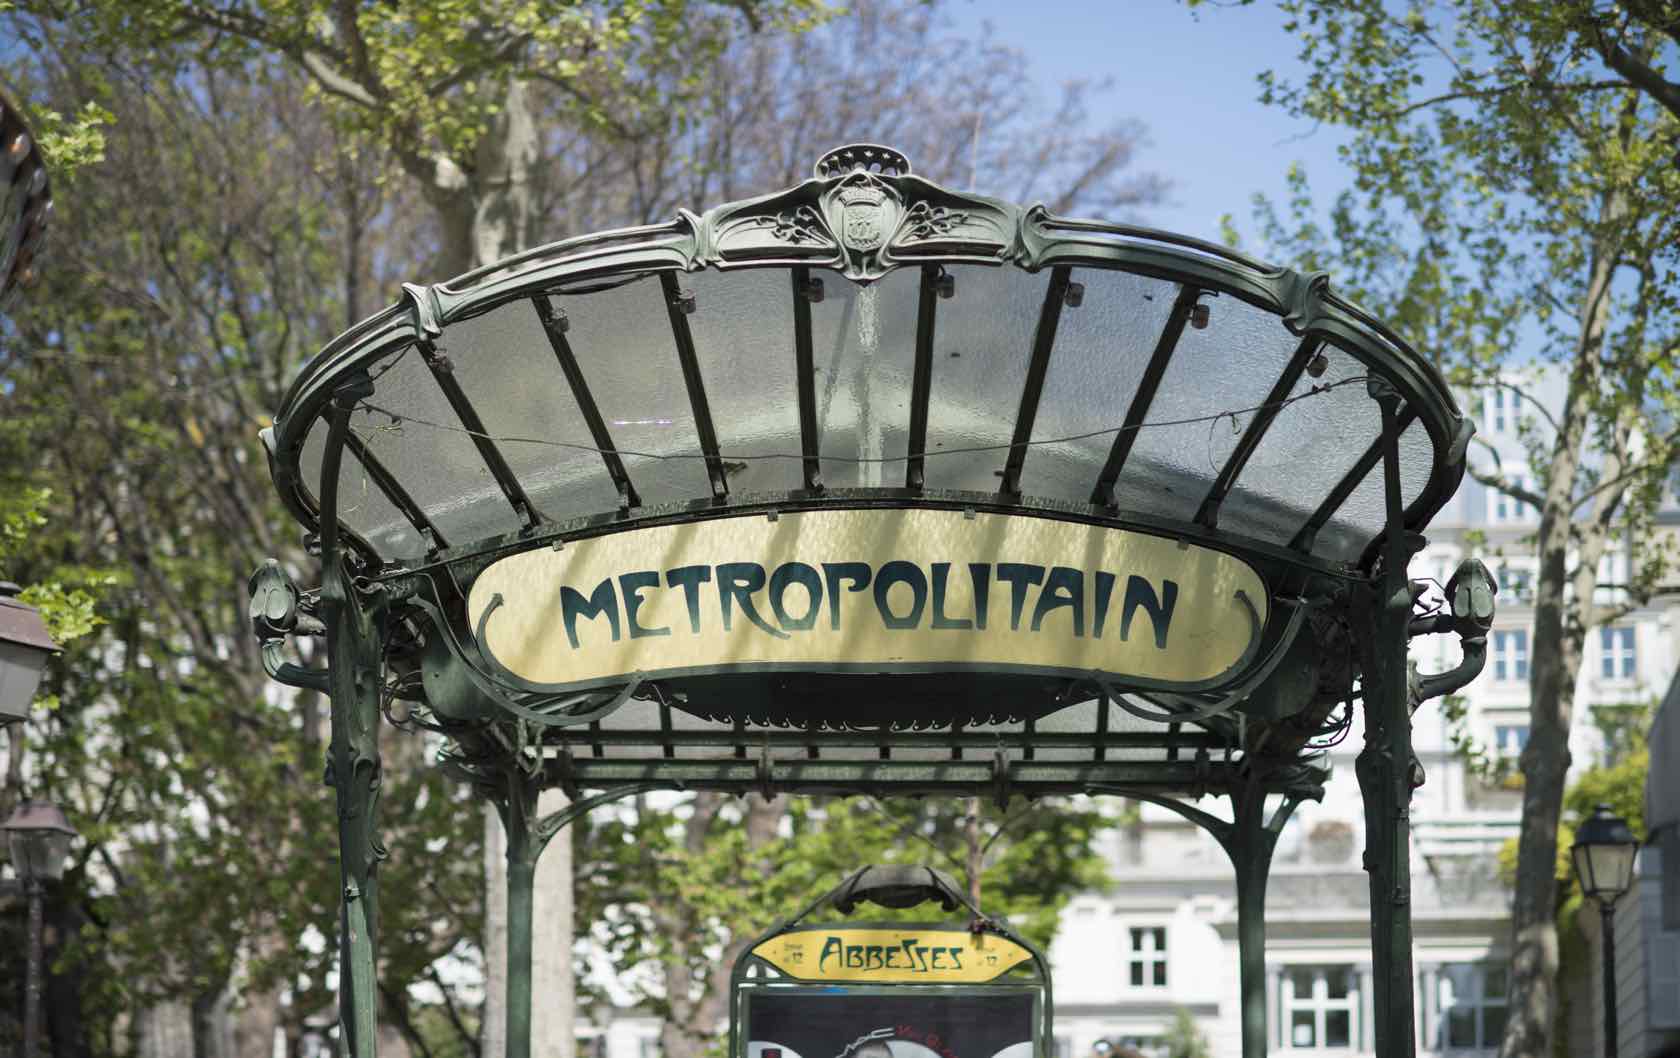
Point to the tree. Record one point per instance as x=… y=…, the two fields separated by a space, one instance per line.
x=183 y=287
x=247 y=209
x=1515 y=209
x=1183 y=1039
x=675 y=896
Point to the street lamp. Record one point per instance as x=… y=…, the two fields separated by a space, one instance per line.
x=1603 y=856
x=24 y=647
x=39 y=839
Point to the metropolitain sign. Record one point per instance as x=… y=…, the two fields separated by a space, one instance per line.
x=869 y=590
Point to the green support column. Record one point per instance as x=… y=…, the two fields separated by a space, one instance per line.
x=515 y=796
x=353 y=767
x=1249 y=840
x=1385 y=766
x=524 y=846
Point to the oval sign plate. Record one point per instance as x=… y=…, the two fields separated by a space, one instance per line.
x=909 y=955
x=870 y=590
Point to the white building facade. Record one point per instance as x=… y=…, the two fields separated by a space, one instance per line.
x=1163 y=938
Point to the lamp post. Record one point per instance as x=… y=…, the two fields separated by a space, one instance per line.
x=1603 y=858
x=24 y=648
x=39 y=838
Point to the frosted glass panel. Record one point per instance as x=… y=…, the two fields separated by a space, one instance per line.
x=1359 y=520
x=362 y=507
x=1311 y=445
x=1229 y=366
x=743 y=337
x=1102 y=348
x=863 y=344
x=507 y=368
x=431 y=454
x=981 y=349
x=623 y=343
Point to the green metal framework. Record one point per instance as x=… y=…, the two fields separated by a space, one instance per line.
x=399 y=551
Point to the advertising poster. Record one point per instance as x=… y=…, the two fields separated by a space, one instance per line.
x=846 y=1023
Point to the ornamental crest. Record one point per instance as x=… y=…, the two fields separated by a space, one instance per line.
x=864 y=212
x=863 y=216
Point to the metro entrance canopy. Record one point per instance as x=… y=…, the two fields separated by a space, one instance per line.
x=873 y=486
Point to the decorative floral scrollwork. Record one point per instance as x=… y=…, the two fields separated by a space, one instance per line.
x=923 y=221
x=798 y=225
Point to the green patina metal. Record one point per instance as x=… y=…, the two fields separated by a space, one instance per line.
x=439 y=484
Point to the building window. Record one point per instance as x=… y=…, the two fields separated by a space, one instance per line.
x=1319 y=1007
x=1510 y=655
x=1618 y=658
x=1509 y=740
x=1147 y=961
x=1516 y=582
x=1472 y=1005
x=1501 y=410
x=1509 y=508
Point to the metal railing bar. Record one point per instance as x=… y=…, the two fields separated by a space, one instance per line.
x=805 y=371
x=1304 y=539
x=1103 y=494
x=554 y=325
x=1044 y=339
x=921 y=378
x=387 y=483
x=444 y=373
x=1208 y=513
x=677 y=306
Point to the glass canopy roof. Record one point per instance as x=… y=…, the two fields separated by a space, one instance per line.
x=868 y=330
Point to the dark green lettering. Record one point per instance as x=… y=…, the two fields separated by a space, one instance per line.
x=942 y=571
x=689 y=579
x=857 y=573
x=1018 y=575
x=937 y=953
x=795 y=573
x=1140 y=593
x=736 y=583
x=1064 y=588
x=601 y=601
x=956 y=956
x=831 y=948
x=630 y=586
x=901 y=572
x=1105 y=591
x=981 y=574
x=872 y=958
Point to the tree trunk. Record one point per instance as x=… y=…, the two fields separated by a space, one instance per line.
x=492 y=1032
x=976 y=864
x=1559 y=630
x=552 y=991
x=699 y=1005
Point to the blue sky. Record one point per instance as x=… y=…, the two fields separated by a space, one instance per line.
x=1191 y=79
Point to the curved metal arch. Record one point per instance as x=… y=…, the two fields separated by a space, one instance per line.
x=934 y=226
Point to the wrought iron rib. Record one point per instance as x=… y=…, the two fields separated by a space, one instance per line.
x=921 y=384
x=1304 y=539
x=1049 y=317
x=385 y=482
x=1208 y=513
x=554 y=325
x=805 y=370
x=1103 y=494
x=497 y=464
x=677 y=307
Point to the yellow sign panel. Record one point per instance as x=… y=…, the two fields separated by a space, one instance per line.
x=869 y=591
x=896 y=956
